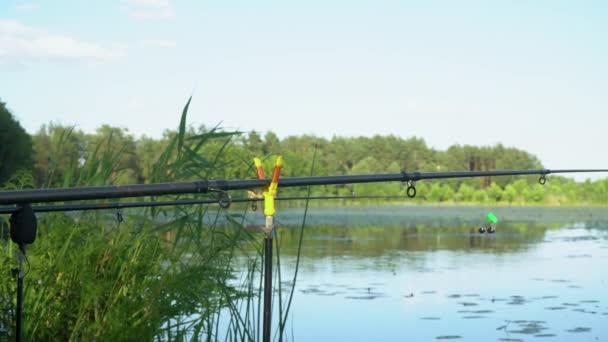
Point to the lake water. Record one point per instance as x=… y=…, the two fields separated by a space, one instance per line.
x=422 y=273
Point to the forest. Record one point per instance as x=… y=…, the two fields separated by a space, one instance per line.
x=59 y=153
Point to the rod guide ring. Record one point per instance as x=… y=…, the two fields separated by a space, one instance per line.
x=224 y=200
x=411 y=188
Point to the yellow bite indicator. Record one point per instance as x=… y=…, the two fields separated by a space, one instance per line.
x=269 y=192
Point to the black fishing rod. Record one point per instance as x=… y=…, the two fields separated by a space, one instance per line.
x=225 y=202
x=222 y=186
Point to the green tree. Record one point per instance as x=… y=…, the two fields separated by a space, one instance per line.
x=447 y=193
x=15 y=145
x=465 y=193
x=510 y=194
x=480 y=196
x=495 y=193
x=59 y=152
x=434 y=194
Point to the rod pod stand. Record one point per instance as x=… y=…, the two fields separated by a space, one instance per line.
x=268 y=240
x=269 y=193
x=23 y=231
x=19 y=275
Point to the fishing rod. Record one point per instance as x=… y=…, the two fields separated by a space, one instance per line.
x=224 y=202
x=222 y=186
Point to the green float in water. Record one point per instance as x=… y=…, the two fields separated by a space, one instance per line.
x=489 y=224
x=491 y=218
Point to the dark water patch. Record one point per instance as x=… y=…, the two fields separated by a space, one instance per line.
x=498 y=300
x=311 y=290
x=517 y=301
x=510 y=339
x=363 y=289
x=570 y=304
x=468 y=303
x=448 y=337
x=472 y=317
x=580 y=238
x=471 y=295
x=429 y=292
x=575 y=286
x=555 y=308
x=454 y=296
x=575 y=256
x=373 y=293
x=589 y=301
x=330 y=293
x=430 y=318
x=426 y=270
x=545 y=335
x=585 y=311
x=549 y=297
x=482 y=311
x=560 y=280
x=464 y=311
x=362 y=297
x=528 y=328
x=579 y=330
x=538 y=279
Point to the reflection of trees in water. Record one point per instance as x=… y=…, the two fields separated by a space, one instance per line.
x=440 y=216
x=368 y=241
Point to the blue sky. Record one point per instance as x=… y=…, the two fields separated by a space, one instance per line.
x=528 y=74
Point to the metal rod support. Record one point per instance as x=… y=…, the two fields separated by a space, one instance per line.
x=20 y=276
x=267 y=287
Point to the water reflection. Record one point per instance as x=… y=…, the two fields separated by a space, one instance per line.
x=371 y=241
x=429 y=280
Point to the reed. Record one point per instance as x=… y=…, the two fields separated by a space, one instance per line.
x=151 y=274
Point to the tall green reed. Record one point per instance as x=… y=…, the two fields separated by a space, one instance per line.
x=152 y=274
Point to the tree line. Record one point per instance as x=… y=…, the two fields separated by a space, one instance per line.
x=63 y=156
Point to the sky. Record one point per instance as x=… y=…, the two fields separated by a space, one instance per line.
x=527 y=74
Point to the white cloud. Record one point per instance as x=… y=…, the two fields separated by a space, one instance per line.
x=27 y=7
x=24 y=42
x=151 y=9
x=159 y=43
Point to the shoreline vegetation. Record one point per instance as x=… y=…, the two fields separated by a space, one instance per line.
x=448 y=204
x=64 y=156
x=157 y=274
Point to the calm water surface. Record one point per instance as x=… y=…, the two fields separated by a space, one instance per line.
x=423 y=273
